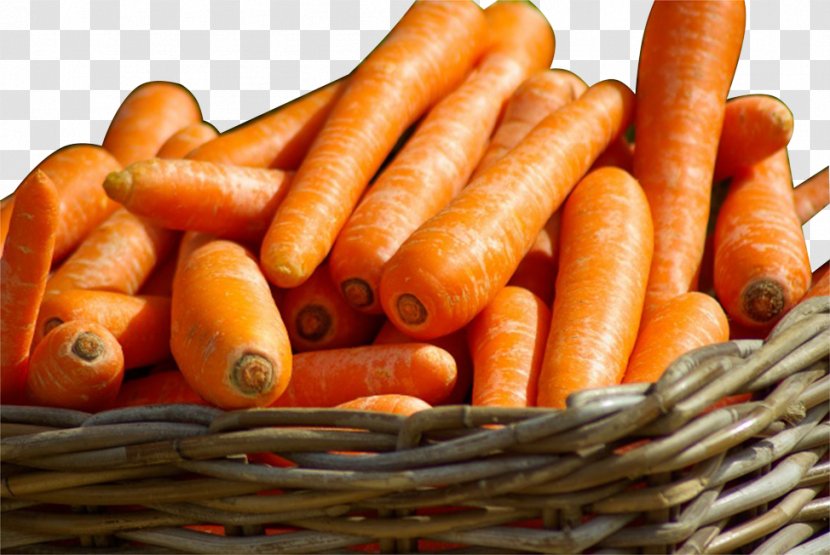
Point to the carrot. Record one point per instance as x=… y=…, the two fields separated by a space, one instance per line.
x=754 y=126
x=140 y=324
x=277 y=139
x=619 y=154
x=394 y=404
x=187 y=139
x=812 y=196
x=438 y=159
x=328 y=378
x=160 y=280
x=226 y=333
x=537 y=270
x=78 y=365
x=704 y=278
x=507 y=340
x=226 y=201
x=681 y=324
x=24 y=268
x=606 y=248
x=150 y=115
x=117 y=256
x=6 y=207
x=163 y=388
x=486 y=230
x=821 y=282
x=761 y=264
x=317 y=317
x=688 y=57
x=423 y=58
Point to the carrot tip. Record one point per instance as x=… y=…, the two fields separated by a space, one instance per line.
x=51 y=324
x=119 y=186
x=411 y=310
x=358 y=293
x=88 y=346
x=763 y=300
x=313 y=322
x=253 y=374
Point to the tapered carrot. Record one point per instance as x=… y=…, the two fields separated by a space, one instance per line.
x=187 y=139
x=163 y=388
x=227 y=335
x=687 y=61
x=437 y=160
x=394 y=404
x=226 y=201
x=6 y=207
x=328 y=378
x=761 y=264
x=151 y=114
x=24 y=268
x=605 y=252
x=821 y=282
x=681 y=324
x=812 y=196
x=78 y=365
x=140 y=324
x=507 y=340
x=486 y=230
x=424 y=57
x=537 y=270
x=754 y=126
x=619 y=154
x=117 y=256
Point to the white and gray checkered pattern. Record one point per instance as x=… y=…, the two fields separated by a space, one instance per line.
x=65 y=65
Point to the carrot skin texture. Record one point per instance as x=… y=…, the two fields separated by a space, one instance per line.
x=480 y=235
x=688 y=58
x=163 y=388
x=6 y=208
x=426 y=55
x=821 y=282
x=812 y=196
x=24 y=269
x=599 y=300
x=187 y=139
x=761 y=264
x=404 y=405
x=537 y=270
x=681 y=324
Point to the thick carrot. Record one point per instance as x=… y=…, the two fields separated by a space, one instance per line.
x=423 y=58
x=537 y=270
x=455 y=263
x=24 y=268
x=688 y=57
x=117 y=256
x=140 y=324
x=317 y=317
x=78 y=365
x=438 y=159
x=163 y=388
x=761 y=264
x=223 y=200
x=812 y=196
x=150 y=115
x=507 y=340
x=821 y=282
x=754 y=126
x=394 y=404
x=681 y=324
x=328 y=378
x=187 y=139
x=6 y=207
x=227 y=335
x=605 y=252
x=619 y=154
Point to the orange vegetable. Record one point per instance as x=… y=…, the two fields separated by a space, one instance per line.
x=163 y=388
x=6 y=206
x=619 y=154
x=821 y=282
x=187 y=139
x=537 y=270
x=160 y=281
x=812 y=196
x=394 y=404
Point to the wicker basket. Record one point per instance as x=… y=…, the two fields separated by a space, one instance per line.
x=625 y=469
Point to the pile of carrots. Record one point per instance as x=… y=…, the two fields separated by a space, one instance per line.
x=454 y=222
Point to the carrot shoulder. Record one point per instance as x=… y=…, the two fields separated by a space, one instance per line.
x=187 y=139
x=812 y=196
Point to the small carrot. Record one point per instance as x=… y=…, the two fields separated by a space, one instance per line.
x=6 y=207
x=537 y=270
x=394 y=404
x=187 y=139
x=681 y=324
x=754 y=126
x=619 y=154
x=328 y=378
x=423 y=58
x=761 y=264
x=140 y=324
x=24 y=268
x=151 y=114
x=455 y=263
x=226 y=332
x=821 y=282
x=599 y=298
x=812 y=196
x=507 y=340
x=78 y=365
x=163 y=388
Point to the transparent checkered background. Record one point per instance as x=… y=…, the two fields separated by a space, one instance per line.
x=66 y=65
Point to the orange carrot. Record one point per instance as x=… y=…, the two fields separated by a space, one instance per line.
x=704 y=280
x=507 y=340
x=437 y=160
x=394 y=404
x=761 y=263
x=619 y=154
x=423 y=58
x=78 y=365
x=537 y=270
x=140 y=324
x=24 y=268
x=605 y=253
x=226 y=201
x=6 y=207
x=160 y=280
x=754 y=126
x=227 y=335
x=455 y=263
x=317 y=317
x=187 y=139
x=812 y=196
x=328 y=378
x=821 y=282
x=163 y=388
x=681 y=324
x=688 y=57
x=150 y=115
